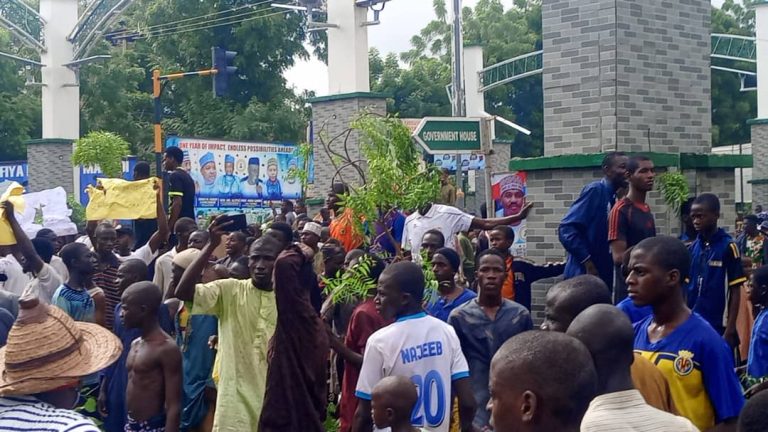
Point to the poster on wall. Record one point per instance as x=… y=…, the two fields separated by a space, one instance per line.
x=16 y=171
x=248 y=177
x=509 y=192
x=469 y=162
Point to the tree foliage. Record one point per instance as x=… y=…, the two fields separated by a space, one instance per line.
x=731 y=108
x=104 y=149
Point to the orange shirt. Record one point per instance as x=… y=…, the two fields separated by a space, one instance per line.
x=343 y=229
x=508 y=289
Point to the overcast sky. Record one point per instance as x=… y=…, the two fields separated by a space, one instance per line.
x=400 y=20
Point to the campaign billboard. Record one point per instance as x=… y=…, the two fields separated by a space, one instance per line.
x=16 y=171
x=509 y=193
x=469 y=162
x=243 y=176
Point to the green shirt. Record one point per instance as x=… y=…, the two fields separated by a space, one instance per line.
x=247 y=319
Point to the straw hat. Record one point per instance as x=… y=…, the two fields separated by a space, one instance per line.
x=47 y=349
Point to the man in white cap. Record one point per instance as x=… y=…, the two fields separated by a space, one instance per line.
x=310 y=236
x=41 y=366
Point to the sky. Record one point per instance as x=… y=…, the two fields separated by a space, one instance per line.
x=400 y=20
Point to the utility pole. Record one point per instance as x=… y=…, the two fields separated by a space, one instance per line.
x=459 y=108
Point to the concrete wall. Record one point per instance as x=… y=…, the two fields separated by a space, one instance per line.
x=760 y=141
x=50 y=165
x=626 y=75
x=554 y=191
x=331 y=118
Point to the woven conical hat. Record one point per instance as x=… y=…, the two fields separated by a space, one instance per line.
x=47 y=349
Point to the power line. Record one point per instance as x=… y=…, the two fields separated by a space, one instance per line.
x=152 y=28
x=158 y=34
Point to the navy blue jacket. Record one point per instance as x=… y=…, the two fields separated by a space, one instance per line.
x=584 y=231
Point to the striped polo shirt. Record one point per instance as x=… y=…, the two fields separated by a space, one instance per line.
x=627 y=411
x=25 y=413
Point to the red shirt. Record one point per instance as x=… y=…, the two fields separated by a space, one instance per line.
x=364 y=322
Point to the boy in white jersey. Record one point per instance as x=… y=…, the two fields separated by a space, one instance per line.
x=417 y=346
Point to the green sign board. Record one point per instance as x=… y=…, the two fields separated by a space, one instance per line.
x=440 y=135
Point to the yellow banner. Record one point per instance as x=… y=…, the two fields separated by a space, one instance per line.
x=122 y=199
x=12 y=194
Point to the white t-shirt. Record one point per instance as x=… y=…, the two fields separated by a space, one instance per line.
x=58 y=264
x=45 y=284
x=427 y=351
x=448 y=220
x=143 y=253
x=164 y=270
x=28 y=413
x=16 y=279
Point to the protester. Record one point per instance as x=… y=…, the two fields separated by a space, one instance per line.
x=181 y=187
x=45 y=280
x=631 y=219
x=164 y=265
x=193 y=333
x=198 y=239
x=751 y=241
x=296 y=392
x=239 y=269
x=446 y=264
x=236 y=246
x=75 y=296
x=310 y=236
x=389 y=232
x=447 y=189
x=417 y=346
x=527 y=272
x=286 y=210
x=449 y=221
x=392 y=401
x=153 y=394
x=716 y=275
x=633 y=312
x=56 y=262
x=363 y=322
x=46 y=356
x=696 y=363
x=541 y=381
x=609 y=337
x=502 y=238
x=689 y=233
x=431 y=241
x=114 y=381
x=124 y=241
x=757 y=364
x=247 y=318
x=752 y=418
x=567 y=299
x=746 y=319
x=342 y=225
x=584 y=229
x=467 y=256
x=483 y=324
x=144 y=228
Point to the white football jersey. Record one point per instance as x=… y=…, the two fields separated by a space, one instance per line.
x=427 y=351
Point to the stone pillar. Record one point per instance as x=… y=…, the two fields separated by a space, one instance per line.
x=626 y=75
x=50 y=165
x=348 y=69
x=331 y=116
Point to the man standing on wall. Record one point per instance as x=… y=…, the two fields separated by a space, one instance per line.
x=584 y=229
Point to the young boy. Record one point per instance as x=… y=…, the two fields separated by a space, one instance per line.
x=153 y=396
x=697 y=363
x=716 y=271
x=392 y=401
x=757 y=365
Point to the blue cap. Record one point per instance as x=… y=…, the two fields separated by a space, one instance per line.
x=253 y=161
x=206 y=159
x=229 y=159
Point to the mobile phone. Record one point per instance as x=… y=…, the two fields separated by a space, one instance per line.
x=238 y=222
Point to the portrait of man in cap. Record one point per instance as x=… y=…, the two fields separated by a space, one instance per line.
x=208 y=175
x=228 y=183
x=274 y=189
x=251 y=185
x=512 y=195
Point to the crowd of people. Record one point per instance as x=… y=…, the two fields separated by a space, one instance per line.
x=232 y=329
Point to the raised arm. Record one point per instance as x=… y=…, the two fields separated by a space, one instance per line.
x=161 y=235
x=489 y=224
x=22 y=241
x=185 y=289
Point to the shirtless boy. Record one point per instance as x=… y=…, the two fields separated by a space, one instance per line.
x=153 y=397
